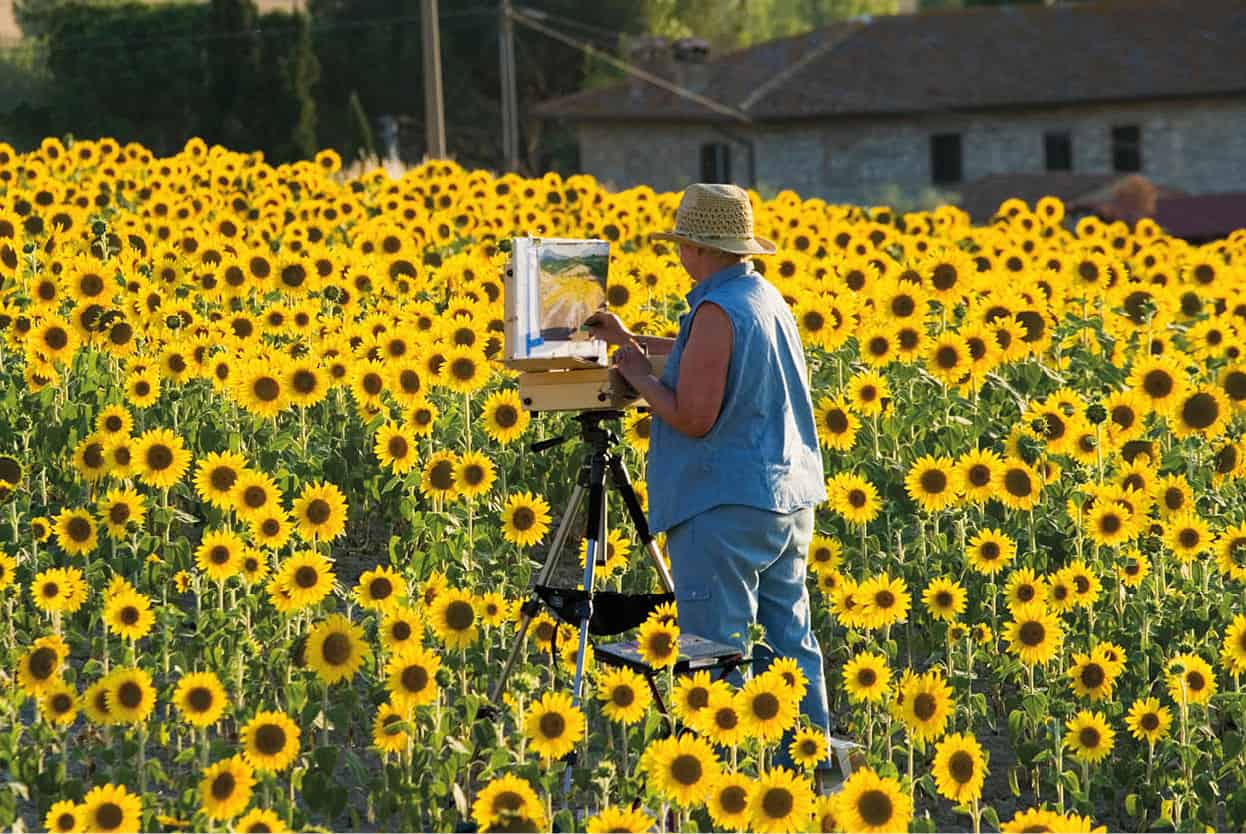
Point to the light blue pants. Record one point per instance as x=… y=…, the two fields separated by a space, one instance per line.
x=734 y=565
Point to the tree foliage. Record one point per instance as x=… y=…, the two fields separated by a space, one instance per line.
x=727 y=24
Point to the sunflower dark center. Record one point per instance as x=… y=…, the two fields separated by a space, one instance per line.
x=552 y=725
x=304 y=381
x=1110 y=523
x=1149 y=722
x=62 y=703
x=660 y=644
x=1089 y=737
x=1200 y=411
x=318 y=511
x=946 y=357
x=79 y=529
x=159 y=457
x=944 y=277
x=270 y=739
x=933 y=482
x=1195 y=681
x=1018 y=483
x=523 y=519
x=266 y=389
x=733 y=799
x=960 y=765
x=686 y=769
x=699 y=697
x=1093 y=676
x=874 y=807
x=337 y=649
x=442 y=475
x=306 y=576
x=460 y=615
x=130 y=695
x=463 y=369
x=726 y=718
x=42 y=663
x=837 y=421
x=766 y=706
x=1157 y=384
x=109 y=816
x=777 y=803
x=1033 y=633
x=924 y=706
x=866 y=677
x=223 y=786
x=400 y=630
x=505 y=416
x=200 y=699
x=414 y=678
x=129 y=615
x=623 y=696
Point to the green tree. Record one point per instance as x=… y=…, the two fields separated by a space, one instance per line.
x=728 y=24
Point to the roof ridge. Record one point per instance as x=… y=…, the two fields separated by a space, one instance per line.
x=846 y=32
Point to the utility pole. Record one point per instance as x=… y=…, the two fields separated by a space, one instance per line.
x=434 y=104
x=510 y=92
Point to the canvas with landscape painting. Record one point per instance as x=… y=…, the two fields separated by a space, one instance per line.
x=558 y=284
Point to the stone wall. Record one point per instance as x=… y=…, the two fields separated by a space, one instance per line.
x=1197 y=145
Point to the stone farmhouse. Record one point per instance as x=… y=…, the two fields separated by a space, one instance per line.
x=859 y=110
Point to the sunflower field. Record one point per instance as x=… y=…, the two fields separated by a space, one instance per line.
x=268 y=512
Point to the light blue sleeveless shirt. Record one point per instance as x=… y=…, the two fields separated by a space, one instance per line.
x=763 y=449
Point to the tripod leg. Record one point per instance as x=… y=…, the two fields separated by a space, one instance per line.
x=532 y=606
x=623 y=484
x=594 y=529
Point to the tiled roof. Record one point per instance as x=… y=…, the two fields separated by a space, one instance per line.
x=964 y=59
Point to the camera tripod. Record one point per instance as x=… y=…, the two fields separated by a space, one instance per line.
x=590 y=482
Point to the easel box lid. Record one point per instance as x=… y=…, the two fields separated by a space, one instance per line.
x=550 y=363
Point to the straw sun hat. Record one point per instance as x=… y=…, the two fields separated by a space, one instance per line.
x=719 y=217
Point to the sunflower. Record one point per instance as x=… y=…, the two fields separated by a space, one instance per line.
x=270 y=741
x=336 y=648
x=1148 y=721
x=1023 y=587
x=1187 y=535
x=682 y=770
x=948 y=359
x=200 y=698
x=121 y=508
x=226 y=788
x=161 y=458
x=304 y=381
x=727 y=801
x=40 y=667
x=553 y=726
x=867 y=677
x=525 y=519
x=637 y=426
x=870 y=803
x=219 y=554
x=260 y=389
x=504 y=416
x=473 y=475
x=260 y=821
x=1233 y=650
x=64 y=817
x=808 y=748
x=58 y=703
x=1203 y=410
x=270 y=530
x=75 y=532
x=411 y=675
x=767 y=707
x=1160 y=381
x=1082 y=581
x=438 y=479
x=925 y=705
x=380 y=589
x=307 y=577
x=401 y=628
x=1034 y=634
x=868 y=393
x=320 y=512
x=395 y=447
x=142 y=389
x=658 y=643
x=466 y=369
x=959 y=768
x=1088 y=735
x=131 y=697
x=1091 y=677
x=788 y=670
x=615 y=819
x=128 y=615
x=624 y=695
x=883 y=601
x=505 y=800
x=1190 y=679
x=111 y=808
x=837 y=425
x=1020 y=486
x=780 y=801
x=454 y=618
x=692 y=693
x=978 y=472
x=854 y=498
x=945 y=599
x=254 y=493
x=8 y=568
x=55 y=340
x=114 y=421
x=1109 y=524
x=89 y=458
x=932 y=483
x=389 y=729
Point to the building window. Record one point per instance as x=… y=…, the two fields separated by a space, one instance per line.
x=716 y=162
x=1127 y=148
x=945 y=158
x=1058 y=150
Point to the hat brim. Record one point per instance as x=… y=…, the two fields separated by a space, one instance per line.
x=736 y=246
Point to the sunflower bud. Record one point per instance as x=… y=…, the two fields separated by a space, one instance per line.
x=1030 y=449
x=1096 y=414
